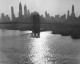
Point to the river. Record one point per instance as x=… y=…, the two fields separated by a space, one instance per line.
x=19 y=47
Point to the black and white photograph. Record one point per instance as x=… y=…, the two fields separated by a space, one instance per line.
x=39 y=31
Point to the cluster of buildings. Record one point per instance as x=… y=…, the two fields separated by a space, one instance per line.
x=20 y=15
x=63 y=19
x=69 y=18
x=6 y=18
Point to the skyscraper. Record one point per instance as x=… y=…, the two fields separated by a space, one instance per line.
x=12 y=14
x=72 y=8
x=25 y=10
x=28 y=12
x=68 y=14
x=20 y=10
x=73 y=14
x=45 y=14
x=3 y=17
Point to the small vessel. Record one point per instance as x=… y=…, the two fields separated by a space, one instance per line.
x=75 y=36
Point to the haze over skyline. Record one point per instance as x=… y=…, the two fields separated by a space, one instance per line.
x=53 y=7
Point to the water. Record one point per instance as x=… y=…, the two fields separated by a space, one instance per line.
x=18 y=47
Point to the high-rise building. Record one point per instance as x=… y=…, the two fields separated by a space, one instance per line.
x=2 y=17
x=12 y=14
x=73 y=14
x=46 y=14
x=25 y=10
x=28 y=12
x=68 y=15
x=20 y=10
x=57 y=18
x=63 y=18
x=7 y=18
x=72 y=8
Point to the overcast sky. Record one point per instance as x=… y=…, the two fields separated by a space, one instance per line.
x=52 y=6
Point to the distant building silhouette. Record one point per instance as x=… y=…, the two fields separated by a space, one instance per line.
x=20 y=10
x=3 y=17
x=63 y=18
x=68 y=15
x=42 y=16
x=52 y=19
x=12 y=14
x=57 y=18
x=47 y=16
x=25 y=10
x=0 y=20
x=72 y=14
x=7 y=18
x=28 y=13
x=71 y=18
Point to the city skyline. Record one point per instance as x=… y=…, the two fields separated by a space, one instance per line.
x=53 y=7
x=28 y=13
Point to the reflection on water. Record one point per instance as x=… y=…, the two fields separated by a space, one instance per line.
x=39 y=49
x=20 y=48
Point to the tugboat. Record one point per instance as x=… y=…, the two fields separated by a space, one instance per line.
x=76 y=34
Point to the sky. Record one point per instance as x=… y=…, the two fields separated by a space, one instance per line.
x=53 y=7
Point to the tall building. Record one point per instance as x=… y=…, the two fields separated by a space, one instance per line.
x=57 y=18
x=63 y=18
x=12 y=14
x=28 y=12
x=20 y=10
x=46 y=14
x=68 y=15
x=25 y=10
x=7 y=18
x=3 y=17
x=72 y=14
